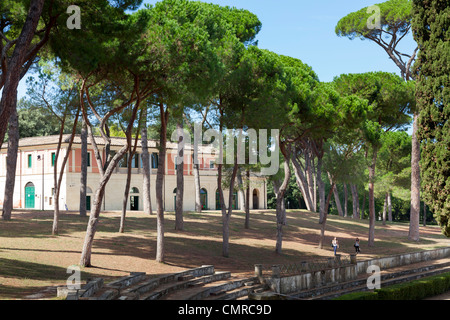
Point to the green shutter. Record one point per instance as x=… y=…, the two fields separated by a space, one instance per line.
x=30 y=161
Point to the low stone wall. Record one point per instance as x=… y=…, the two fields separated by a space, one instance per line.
x=403 y=259
x=338 y=274
x=310 y=280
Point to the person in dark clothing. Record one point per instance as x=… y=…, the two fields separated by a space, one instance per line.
x=356 y=245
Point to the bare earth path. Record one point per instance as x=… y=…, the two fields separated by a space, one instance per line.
x=33 y=262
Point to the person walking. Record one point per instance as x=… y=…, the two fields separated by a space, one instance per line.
x=356 y=245
x=335 y=245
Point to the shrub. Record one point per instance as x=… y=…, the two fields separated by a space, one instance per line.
x=414 y=290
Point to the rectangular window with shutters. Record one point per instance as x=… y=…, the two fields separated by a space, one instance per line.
x=53 y=159
x=30 y=161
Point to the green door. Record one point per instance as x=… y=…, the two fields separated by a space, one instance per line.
x=204 y=199
x=29 y=196
x=88 y=203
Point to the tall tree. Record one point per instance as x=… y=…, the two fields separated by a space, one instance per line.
x=62 y=101
x=431 y=29
x=390 y=99
x=395 y=168
x=197 y=38
x=394 y=24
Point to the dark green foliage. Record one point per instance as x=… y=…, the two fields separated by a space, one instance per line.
x=36 y=121
x=414 y=290
x=431 y=28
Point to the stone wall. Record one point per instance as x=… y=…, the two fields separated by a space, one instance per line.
x=333 y=275
x=403 y=259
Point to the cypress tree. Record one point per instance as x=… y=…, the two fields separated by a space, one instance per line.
x=431 y=29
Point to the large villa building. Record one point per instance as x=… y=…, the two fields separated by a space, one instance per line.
x=35 y=166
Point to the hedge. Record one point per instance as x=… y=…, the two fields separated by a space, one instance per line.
x=414 y=290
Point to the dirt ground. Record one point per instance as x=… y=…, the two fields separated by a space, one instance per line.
x=33 y=262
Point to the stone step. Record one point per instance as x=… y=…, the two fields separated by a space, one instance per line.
x=243 y=292
x=172 y=287
x=219 y=291
x=148 y=284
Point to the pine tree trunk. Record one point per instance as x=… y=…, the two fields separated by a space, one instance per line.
x=159 y=187
x=126 y=193
x=276 y=189
x=321 y=187
x=301 y=182
x=247 y=202
x=314 y=200
x=415 y=184
x=363 y=210
x=345 y=200
x=309 y=179
x=58 y=178
x=385 y=208
x=8 y=102
x=241 y=194
x=196 y=166
x=11 y=164
x=146 y=167
x=355 y=201
x=179 y=224
x=371 y=238
x=83 y=174
x=337 y=201
x=323 y=222
x=86 y=253
x=280 y=211
x=389 y=207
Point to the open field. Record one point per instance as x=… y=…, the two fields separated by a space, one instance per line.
x=33 y=262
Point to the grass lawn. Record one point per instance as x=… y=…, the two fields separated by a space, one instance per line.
x=33 y=262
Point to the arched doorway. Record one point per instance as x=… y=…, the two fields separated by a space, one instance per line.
x=204 y=198
x=29 y=195
x=255 y=199
x=88 y=198
x=134 y=199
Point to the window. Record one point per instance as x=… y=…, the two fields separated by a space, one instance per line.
x=53 y=159
x=154 y=160
x=123 y=163
x=134 y=190
x=135 y=161
x=211 y=164
x=88 y=161
x=30 y=161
